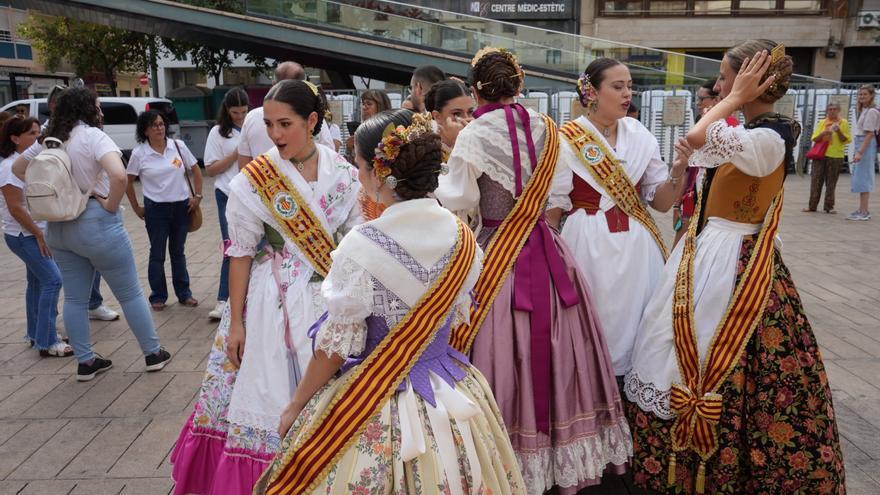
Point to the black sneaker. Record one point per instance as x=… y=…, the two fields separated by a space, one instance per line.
x=158 y=360
x=86 y=372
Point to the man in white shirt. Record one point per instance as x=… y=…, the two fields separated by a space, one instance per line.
x=254 y=138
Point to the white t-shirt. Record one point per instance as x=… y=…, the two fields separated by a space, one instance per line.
x=218 y=148
x=869 y=120
x=255 y=139
x=163 y=176
x=86 y=146
x=7 y=178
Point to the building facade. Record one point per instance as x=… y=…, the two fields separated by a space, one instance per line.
x=832 y=39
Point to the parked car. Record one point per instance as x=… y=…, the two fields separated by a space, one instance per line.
x=120 y=116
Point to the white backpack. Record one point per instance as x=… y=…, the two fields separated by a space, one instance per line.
x=52 y=193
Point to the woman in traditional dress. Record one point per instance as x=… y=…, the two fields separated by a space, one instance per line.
x=728 y=391
x=613 y=169
x=297 y=196
x=534 y=332
x=387 y=405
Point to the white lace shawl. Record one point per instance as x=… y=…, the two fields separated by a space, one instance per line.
x=756 y=152
x=483 y=147
x=350 y=290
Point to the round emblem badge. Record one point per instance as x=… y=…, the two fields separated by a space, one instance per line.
x=593 y=153
x=285 y=205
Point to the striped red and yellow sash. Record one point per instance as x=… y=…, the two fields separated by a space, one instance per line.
x=369 y=387
x=298 y=221
x=610 y=174
x=696 y=401
x=505 y=246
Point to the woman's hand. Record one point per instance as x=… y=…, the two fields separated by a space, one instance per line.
x=857 y=158
x=107 y=204
x=44 y=248
x=235 y=343
x=288 y=416
x=748 y=86
x=194 y=203
x=138 y=210
x=684 y=150
x=449 y=130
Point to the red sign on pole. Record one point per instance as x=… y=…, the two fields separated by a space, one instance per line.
x=144 y=80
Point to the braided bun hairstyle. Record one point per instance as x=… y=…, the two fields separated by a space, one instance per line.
x=302 y=97
x=496 y=75
x=417 y=166
x=782 y=68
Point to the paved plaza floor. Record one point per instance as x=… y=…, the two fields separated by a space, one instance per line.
x=114 y=434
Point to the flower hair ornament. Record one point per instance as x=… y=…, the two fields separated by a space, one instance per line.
x=584 y=86
x=486 y=50
x=393 y=138
x=777 y=55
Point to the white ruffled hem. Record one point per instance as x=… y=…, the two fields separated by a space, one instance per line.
x=647 y=396
x=572 y=464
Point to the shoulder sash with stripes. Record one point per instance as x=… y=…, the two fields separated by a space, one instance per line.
x=696 y=401
x=610 y=174
x=297 y=220
x=508 y=241
x=369 y=387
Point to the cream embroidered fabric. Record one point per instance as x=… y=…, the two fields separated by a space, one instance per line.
x=756 y=152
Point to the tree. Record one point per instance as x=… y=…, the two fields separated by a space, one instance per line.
x=90 y=47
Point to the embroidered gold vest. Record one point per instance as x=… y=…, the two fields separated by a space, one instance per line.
x=742 y=198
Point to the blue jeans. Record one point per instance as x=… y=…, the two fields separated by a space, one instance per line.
x=222 y=198
x=43 y=289
x=97 y=241
x=167 y=226
x=95 y=298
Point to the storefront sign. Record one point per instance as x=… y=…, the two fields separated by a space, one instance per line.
x=674 y=110
x=511 y=10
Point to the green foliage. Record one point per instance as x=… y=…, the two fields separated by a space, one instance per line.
x=90 y=47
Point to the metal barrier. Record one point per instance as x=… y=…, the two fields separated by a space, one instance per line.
x=668 y=112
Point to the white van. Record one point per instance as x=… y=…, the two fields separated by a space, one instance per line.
x=120 y=116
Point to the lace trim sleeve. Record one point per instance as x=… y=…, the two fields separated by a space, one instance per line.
x=348 y=291
x=245 y=229
x=461 y=312
x=722 y=143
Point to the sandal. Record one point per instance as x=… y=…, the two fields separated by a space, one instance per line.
x=808 y=210
x=831 y=212
x=58 y=349
x=190 y=303
x=157 y=306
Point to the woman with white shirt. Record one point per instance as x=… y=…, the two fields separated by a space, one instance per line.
x=97 y=239
x=162 y=163
x=221 y=161
x=25 y=238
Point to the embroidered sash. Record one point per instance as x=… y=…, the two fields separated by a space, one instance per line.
x=297 y=220
x=610 y=174
x=696 y=401
x=505 y=246
x=373 y=383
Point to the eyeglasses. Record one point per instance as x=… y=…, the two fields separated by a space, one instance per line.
x=158 y=125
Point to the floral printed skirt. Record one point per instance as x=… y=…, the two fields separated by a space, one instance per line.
x=473 y=456
x=777 y=431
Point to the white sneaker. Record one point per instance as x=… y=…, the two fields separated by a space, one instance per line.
x=103 y=313
x=217 y=312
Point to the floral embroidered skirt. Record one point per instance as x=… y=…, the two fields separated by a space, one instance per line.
x=777 y=431
x=471 y=456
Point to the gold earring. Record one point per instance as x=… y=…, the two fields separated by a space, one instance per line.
x=593 y=105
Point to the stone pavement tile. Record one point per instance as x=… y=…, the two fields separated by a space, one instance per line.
x=93 y=403
x=20 y=362
x=9 y=351
x=25 y=442
x=139 y=365
x=9 y=428
x=148 y=486
x=29 y=394
x=54 y=454
x=147 y=454
x=98 y=487
x=12 y=487
x=96 y=459
x=190 y=355
x=48 y=487
x=53 y=404
x=859 y=432
x=139 y=395
x=859 y=483
x=9 y=384
x=177 y=396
